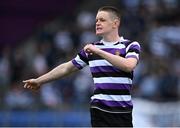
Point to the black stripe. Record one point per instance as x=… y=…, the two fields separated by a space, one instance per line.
x=133 y=50
x=94 y=57
x=112 y=74
x=117 y=43
x=126 y=43
x=98 y=44
x=83 y=58
x=112 y=109
x=112 y=91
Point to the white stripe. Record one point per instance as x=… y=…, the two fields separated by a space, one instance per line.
x=79 y=61
x=109 y=111
x=112 y=97
x=120 y=46
x=122 y=80
x=99 y=63
x=133 y=43
x=133 y=53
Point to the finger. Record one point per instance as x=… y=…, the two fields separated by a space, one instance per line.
x=32 y=88
x=25 y=86
x=89 y=51
x=26 y=81
x=28 y=86
x=85 y=48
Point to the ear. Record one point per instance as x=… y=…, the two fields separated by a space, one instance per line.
x=116 y=23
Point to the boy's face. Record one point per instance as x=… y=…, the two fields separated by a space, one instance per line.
x=105 y=23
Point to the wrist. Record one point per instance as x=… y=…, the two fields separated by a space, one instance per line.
x=101 y=53
x=38 y=81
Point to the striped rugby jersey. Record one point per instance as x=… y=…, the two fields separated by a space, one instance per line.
x=112 y=90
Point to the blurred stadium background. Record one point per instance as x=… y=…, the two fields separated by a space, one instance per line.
x=37 y=35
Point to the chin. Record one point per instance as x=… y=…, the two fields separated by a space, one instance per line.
x=99 y=34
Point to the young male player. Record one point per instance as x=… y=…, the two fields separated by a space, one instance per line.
x=111 y=61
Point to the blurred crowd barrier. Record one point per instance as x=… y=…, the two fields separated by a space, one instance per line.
x=156 y=114
x=44 y=119
x=145 y=114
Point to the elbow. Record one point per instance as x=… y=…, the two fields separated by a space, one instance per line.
x=129 y=68
x=130 y=65
x=126 y=68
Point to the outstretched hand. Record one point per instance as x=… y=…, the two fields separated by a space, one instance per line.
x=31 y=84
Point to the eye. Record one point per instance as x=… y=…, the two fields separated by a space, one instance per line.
x=100 y=19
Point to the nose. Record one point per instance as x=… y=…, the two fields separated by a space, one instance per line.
x=97 y=23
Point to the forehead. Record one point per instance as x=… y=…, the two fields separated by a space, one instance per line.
x=103 y=14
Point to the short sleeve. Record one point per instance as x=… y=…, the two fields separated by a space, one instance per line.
x=81 y=60
x=133 y=50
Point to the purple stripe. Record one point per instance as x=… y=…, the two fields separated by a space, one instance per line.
x=114 y=50
x=76 y=64
x=126 y=43
x=104 y=69
x=134 y=46
x=112 y=86
x=114 y=103
x=83 y=53
x=132 y=56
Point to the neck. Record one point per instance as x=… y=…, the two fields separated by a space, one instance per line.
x=111 y=37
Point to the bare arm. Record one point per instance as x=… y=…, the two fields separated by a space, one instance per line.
x=125 y=64
x=58 y=72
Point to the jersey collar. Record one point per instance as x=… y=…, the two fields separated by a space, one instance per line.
x=121 y=39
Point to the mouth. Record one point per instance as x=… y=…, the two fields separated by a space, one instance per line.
x=98 y=28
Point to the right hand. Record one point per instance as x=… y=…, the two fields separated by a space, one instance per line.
x=31 y=84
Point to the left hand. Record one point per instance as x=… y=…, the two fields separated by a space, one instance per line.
x=91 y=49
